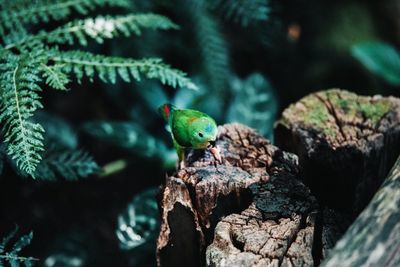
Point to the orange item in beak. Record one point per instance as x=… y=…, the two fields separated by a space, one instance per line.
x=215 y=152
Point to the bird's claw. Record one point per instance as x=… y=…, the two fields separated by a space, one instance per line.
x=181 y=165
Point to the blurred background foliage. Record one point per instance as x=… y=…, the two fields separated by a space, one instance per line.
x=107 y=149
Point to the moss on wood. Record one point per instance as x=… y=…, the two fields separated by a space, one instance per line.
x=321 y=111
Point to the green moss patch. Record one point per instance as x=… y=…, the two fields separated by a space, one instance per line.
x=313 y=113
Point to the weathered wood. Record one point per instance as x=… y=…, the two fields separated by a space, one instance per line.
x=269 y=212
x=374 y=237
x=346 y=144
x=276 y=230
x=254 y=210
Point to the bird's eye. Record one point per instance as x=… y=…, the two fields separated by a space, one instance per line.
x=200 y=134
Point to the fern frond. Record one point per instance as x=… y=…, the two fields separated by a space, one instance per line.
x=19 y=99
x=69 y=164
x=99 y=28
x=107 y=27
x=254 y=104
x=244 y=12
x=25 y=11
x=11 y=256
x=107 y=68
x=54 y=76
x=127 y=135
x=211 y=45
x=17 y=34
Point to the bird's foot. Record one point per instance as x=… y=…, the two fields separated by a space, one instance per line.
x=181 y=165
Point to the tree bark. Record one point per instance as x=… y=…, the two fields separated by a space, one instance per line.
x=374 y=237
x=346 y=145
x=269 y=213
x=254 y=209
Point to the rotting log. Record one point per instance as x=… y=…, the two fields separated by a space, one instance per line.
x=346 y=145
x=251 y=209
x=374 y=237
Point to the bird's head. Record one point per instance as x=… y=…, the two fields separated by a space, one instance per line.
x=203 y=132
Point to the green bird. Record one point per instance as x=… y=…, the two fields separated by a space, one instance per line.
x=190 y=129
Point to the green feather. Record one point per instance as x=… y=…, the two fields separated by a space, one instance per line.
x=190 y=128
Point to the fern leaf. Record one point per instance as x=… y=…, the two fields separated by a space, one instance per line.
x=12 y=256
x=84 y=63
x=211 y=45
x=22 y=242
x=99 y=28
x=19 y=99
x=214 y=54
x=54 y=77
x=7 y=239
x=45 y=10
x=69 y=164
x=127 y=135
x=244 y=12
x=255 y=103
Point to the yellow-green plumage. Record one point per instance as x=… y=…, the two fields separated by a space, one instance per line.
x=189 y=128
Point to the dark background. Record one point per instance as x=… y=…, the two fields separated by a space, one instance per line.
x=298 y=47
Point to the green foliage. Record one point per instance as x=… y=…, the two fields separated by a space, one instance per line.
x=54 y=76
x=19 y=98
x=244 y=12
x=108 y=68
x=62 y=158
x=30 y=60
x=381 y=59
x=18 y=12
x=69 y=164
x=99 y=28
x=213 y=51
x=139 y=222
x=255 y=103
x=9 y=253
x=127 y=135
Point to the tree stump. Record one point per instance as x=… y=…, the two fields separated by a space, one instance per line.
x=254 y=209
x=346 y=145
x=251 y=209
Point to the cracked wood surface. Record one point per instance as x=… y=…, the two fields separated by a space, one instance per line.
x=253 y=210
x=346 y=144
x=248 y=210
x=276 y=230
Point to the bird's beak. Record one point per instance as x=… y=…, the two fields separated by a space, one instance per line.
x=211 y=144
x=214 y=150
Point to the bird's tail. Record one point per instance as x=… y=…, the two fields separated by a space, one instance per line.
x=165 y=110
